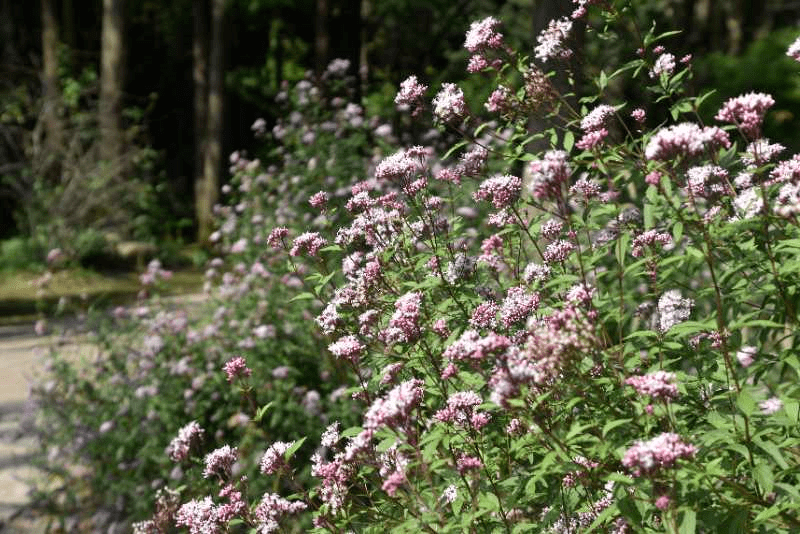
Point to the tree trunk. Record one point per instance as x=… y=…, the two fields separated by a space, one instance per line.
x=321 y=38
x=10 y=55
x=209 y=193
x=200 y=77
x=111 y=81
x=50 y=93
x=363 y=46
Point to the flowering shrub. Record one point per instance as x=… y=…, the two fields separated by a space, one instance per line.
x=611 y=347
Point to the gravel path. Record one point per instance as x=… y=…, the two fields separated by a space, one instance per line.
x=22 y=354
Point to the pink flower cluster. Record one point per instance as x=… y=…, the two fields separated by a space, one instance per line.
x=309 y=242
x=347 y=347
x=650 y=238
x=460 y=410
x=552 y=40
x=199 y=516
x=471 y=346
x=273 y=459
x=501 y=190
x=594 y=127
x=404 y=323
x=236 y=368
x=746 y=112
x=484 y=315
x=482 y=36
x=661 y=452
x=411 y=93
x=794 y=50
x=319 y=199
x=658 y=385
x=517 y=306
x=665 y=64
x=402 y=165
x=272 y=509
x=179 y=447
x=549 y=174
x=449 y=104
x=276 y=236
x=220 y=462
x=684 y=140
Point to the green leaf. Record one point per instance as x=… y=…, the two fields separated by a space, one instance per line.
x=261 y=411
x=611 y=425
x=746 y=402
x=677 y=232
x=772 y=449
x=293 y=449
x=764 y=477
x=569 y=141
x=688 y=523
x=306 y=295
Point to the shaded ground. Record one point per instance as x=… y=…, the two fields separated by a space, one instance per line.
x=22 y=354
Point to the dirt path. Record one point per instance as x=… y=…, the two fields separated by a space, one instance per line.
x=22 y=355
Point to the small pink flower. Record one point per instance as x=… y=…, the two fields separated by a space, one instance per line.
x=318 y=200
x=663 y=502
x=746 y=355
x=236 y=368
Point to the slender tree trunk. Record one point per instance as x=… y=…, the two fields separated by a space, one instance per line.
x=111 y=80
x=7 y=34
x=69 y=34
x=200 y=77
x=321 y=38
x=363 y=48
x=213 y=147
x=50 y=93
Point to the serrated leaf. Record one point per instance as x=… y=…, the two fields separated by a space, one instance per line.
x=763 y=475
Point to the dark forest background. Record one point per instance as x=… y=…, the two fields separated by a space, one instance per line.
x=117 y=116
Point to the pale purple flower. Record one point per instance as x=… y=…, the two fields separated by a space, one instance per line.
x=673 y=309
x=468 y=463
x=449 y=104
x=746 y=112
x=404 y=323
x=472 y=346
x=411 y=93
x=658 y=385
x=746 y=355
x=199 y=516
x=501 y=190
x=558 y=251
x=499 y=101
x=552 y=40
x=402 y=165
x=348 y=348
x=665 y=64
x=663 y=502
x=309 y=242
x=449 y=494
x=686 y=139
x=770 y=406
x=794 y=50
x=485 y=315
x=395 y=408
x=179 y=447
x=220 y=462
x=482 y=35
x=276 y=236
x=273 y=459
x=649 y=238
x=272 y=509
x=331 y=435
x=549 y=174
x=761 y=152
x=597 y=119
x=517 y=306
x=638 y=115
x=661 y=452
x=319 y=199
x=236 y=368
